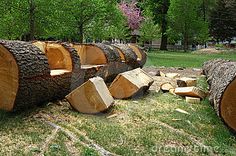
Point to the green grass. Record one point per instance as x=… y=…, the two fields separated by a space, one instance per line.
x=146 y=126
x=183 y=59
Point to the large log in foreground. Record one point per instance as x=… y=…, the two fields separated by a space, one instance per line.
x=221 y=76
x=26 y=78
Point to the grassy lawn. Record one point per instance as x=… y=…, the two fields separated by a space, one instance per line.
x=150 y=125
x=183 y=59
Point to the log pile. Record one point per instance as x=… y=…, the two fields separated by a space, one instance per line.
x=39 y=72
x=221 y=76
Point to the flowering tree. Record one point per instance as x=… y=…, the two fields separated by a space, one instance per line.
x=133 y=14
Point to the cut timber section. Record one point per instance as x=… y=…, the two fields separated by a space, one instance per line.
x=186 y=82
x=25 y=78
x=221 y=75
x=142 y=56
x=130 y=84
x=91 y=97
x=100 y=60
x=190 y=91
x=166 y=87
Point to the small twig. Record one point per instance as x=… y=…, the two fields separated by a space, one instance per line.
x=74 y=138
x=48 y=141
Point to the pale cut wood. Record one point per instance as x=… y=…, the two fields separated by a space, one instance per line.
x=162 y=74
x=172 y=91
x=41 y=46
x=190 y=91
x=173 y=75
x=165 y=87
x=58 y=72
x=9 y=81
x=91 y=97
x=130 y=83
x=186 y=82
x=193 y=100
x=58 y=57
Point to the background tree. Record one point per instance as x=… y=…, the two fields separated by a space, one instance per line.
x=185 y=22
x=133 y=15
x=159 y=9
x=223 y=20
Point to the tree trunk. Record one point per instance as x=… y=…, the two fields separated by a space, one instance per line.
x=26 y=78
x=81 y=33
x=32 y=19
x=164 y=37
x=221 y=76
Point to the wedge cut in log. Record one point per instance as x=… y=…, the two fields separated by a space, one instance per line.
x=100 y=60
x=131 y=83
x=25 y=76
x=165 y=87
x=91 y=97
x=193 y=100
x=131 y=59
x=221 y=75
x=142 y=56
x=186 y=82
x=190 y=91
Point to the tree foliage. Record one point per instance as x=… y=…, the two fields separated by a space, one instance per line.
x=185 y=21
x=223 y=20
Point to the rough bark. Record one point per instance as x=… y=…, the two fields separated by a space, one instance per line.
x=36 y=85
x=221 y=78
x=130 y=56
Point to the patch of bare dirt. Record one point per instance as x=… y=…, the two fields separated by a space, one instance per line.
x=208 y=51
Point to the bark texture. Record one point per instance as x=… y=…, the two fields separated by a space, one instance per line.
x=221 y=78
x=36 y=85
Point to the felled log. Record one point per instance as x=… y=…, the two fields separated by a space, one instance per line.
x=142 y=56
x=131 y=83
x=221 y=78
x=62 y=58
x=25 y=76
x=91 y=97
x=131 y=58
x=165 y=87
x=186 y=82
x=100 y=60
x=190 y=91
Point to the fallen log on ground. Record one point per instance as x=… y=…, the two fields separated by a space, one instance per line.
x=100 y=60
x=142 y=56
x=91 y=97
x=221 y=76
x=25 y=76
x=130 y=84
x=131 y=58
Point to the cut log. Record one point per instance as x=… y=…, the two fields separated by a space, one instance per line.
x=162 y=74
x=105 y=57
x=221 y=75
x=186 y=82
x=190 y=91
x=173 y=75
x=91 y=97
x=25 y=77
x=193 y=100
x=165 y=87
x=142 y=56
x=131 y=58
x=131 y=83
